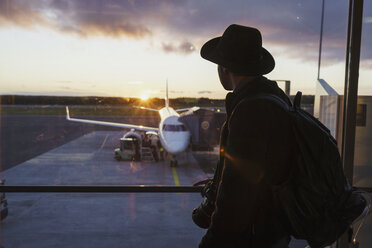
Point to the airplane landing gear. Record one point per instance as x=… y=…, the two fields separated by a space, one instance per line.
x=173 y=161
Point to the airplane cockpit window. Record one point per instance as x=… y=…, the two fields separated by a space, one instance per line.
x=182 y=128
x=174 y=128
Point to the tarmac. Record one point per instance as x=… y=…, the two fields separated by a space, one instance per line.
x=101 y=219
x=22 y=137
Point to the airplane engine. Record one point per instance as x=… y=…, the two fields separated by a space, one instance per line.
x=135 y=135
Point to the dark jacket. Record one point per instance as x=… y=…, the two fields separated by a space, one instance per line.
x=258 y=154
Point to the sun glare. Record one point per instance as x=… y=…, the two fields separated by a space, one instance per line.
x=144 y=97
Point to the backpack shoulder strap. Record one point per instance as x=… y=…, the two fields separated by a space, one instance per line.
x=265 y=96
x=297 y=100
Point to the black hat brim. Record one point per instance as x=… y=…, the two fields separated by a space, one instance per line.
x=265 y=65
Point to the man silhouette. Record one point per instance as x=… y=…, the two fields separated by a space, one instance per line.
x=258 y=145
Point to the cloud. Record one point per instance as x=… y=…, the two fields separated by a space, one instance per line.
x=205 y=92
x=184 y=47
x=64 y=81
x=65 y=88
x=84 y=18
x=289 y=28
x=176 y=91
x=70 y=88
x=151 y=92
x=19 y=13
x=59 y=92
x=135 y=82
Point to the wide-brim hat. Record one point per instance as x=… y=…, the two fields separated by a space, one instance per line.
x=240 y=50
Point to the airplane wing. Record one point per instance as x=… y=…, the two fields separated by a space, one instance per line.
x=151 y=109
x=188 y=109
x=112 y=124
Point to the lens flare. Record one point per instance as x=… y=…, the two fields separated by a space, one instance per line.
x=144 y=97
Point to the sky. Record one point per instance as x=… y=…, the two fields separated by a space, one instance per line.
x=131 y=48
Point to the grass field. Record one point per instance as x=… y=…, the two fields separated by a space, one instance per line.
x=74 y=111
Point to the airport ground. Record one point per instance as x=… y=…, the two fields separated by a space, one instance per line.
x=100 y=220
x=23 y=137
x=48 y=150
x=63 y=153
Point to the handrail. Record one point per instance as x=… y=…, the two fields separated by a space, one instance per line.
x=110 y=189
x=99 y=189
x=366 y=189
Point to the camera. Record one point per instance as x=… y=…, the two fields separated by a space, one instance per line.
x=202 y=215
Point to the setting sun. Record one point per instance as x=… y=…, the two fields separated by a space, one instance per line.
x=144 y=97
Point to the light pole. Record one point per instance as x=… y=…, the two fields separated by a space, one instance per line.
x=321 y=39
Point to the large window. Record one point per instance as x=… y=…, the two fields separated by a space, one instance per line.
x=363 y=148
x=363 y=145
x=77 y=78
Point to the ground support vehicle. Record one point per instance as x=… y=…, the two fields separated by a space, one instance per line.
x=129 y=150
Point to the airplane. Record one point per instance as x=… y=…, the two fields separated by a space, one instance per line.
x=172 y=133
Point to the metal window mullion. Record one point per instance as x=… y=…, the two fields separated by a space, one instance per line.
x=98 y=189
x=354 y=34
x=107 y=189
x=351 y=86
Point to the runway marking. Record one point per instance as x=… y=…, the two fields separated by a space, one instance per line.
x=175 y=176
x=104 y=142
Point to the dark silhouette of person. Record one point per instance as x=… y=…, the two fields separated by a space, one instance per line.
x=258 y=149
x=154 y=152
x=161 y=150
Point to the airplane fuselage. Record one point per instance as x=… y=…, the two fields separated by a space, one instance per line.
x=173 y=134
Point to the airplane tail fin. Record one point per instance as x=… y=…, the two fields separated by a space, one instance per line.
x=67 y=114
x=166 y=95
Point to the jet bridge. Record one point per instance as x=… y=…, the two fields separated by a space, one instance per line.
x=205 y=126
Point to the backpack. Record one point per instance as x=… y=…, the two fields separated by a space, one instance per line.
x=317 y=199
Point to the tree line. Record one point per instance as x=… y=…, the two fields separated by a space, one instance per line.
x=122 y=101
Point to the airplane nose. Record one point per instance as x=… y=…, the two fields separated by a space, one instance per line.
x=176 y=147
x=175 y=142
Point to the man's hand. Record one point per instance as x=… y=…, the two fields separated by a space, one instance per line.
x=203 y=182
